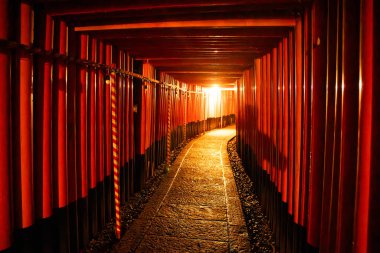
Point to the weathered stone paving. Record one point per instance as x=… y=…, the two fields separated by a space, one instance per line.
x=196 y=208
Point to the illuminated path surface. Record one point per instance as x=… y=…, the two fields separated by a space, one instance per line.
x=196 y=208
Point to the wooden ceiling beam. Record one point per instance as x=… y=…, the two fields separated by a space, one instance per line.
x=226 y=68
x=174 y=14
x=206 y=80
x=259 y=22
x=208 y=72
x=198 y=61
x=70 y=7
x=202 y=52
x=172 y=56
x=189 y=42
x=183 y=33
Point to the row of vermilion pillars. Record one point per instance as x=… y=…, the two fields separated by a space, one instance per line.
x=161 y=124
x=194 y=113
x=58 y=149
x=273 y=120
x=308 y=127
x=185 y=104
x=152 y=112
x=16 y=116
x=218 y=107
x=56 y=130
x=274 y=124
x=150 y=141
x=352 y=55
x=228 y=105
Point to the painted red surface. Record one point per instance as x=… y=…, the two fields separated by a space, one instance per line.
x=47 y=188
x=107 y=128
x=319 y=27
x=100 y=117
x=298 y=88
x=91 y=124
x=59 y=118
x=349 y=130
x=280 y=129
x=5 y=198
x=305 y=126
x=366 y=94
x=285 y=126
x=291 y=124
x=25 y=172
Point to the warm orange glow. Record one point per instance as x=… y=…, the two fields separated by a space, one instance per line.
x=213 y=108
x=280 y=22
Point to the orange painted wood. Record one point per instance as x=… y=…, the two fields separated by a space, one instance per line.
x=59 y=120
x=91 y=122
x=274 y=112
x=349 y=118
x=280 y=127
x=24 y=202
x=82 y=134
x=5 y=161
x=285 y=98
x=43 y=138
x=319 y=33
x=279 y=22
x=363 y=238
x=298 y=120
x=331 y=40
x=291 y=124
x=100 y=117
x=107 y=128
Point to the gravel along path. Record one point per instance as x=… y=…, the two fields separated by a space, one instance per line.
x=260 y=234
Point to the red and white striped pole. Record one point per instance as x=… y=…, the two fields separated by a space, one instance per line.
x=115 y=153
x=168 y=140
x=204 y=112
x=185 y=125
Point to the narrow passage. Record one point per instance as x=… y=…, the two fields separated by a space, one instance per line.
x=196 y=208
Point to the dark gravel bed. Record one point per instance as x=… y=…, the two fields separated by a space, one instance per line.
x=260 y=234
x=106 y=239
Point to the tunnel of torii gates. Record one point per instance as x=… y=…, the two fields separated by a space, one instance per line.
x=95 y=94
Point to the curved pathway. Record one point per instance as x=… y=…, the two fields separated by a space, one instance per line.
x=196 y=208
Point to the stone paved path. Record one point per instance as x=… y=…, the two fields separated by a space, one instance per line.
x=196 y=208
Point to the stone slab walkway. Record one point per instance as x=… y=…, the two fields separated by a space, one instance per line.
x=196 y=208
